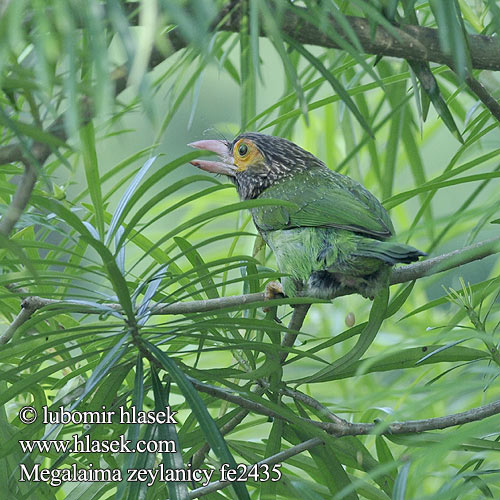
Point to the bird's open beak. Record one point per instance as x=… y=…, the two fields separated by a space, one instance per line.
x=226 y=166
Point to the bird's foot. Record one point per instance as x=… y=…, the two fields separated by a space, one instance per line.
x=273 y=290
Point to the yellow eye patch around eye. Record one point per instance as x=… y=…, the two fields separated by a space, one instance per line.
x=245 y=154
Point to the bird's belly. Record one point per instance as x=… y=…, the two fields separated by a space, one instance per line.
x=318 y=260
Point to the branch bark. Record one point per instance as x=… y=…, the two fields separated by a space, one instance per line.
x=20 y=199
x=274 y=459
x=484 y=96
x=38 y=154
x=405 y=41
x=413 y=426
x=28 y=307
x=298 y=317
x=342 y=427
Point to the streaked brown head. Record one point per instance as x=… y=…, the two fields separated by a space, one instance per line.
x=255 y=161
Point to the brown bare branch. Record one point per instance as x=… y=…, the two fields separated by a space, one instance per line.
x=20 y=199
x=274 y=459
x=298 y=317
x=404 y=41
x=345 y=428
x=482 y=93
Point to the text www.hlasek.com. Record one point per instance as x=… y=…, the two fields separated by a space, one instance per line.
x=87 y=445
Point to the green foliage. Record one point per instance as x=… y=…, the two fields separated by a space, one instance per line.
x=97 y=100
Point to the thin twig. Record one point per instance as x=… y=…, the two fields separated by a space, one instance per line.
x=39 y=152
x=32 y=161
x=173 y=40
x=37 y=155
x=19 y=200
x=296 y=322
x=486 y=98
x=232 y=397
x=313 y=403
x=446 y=261
x=278 y=458
x=298 y=317
x=345 y=428
x=28 y=307
x=413 y=426
x=404 y=41
x=199 y=456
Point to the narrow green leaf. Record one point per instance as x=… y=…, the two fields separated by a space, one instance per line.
x=102 y=369
x=24 y=383
x=198 y=407
x=133 y=429
x=115 y=276
x=430 y=86
x=452 y=34
x=122 y=209
x=440 y=349
x=173 y=460
x=276 y=36
x=334 y=83
x=197 y=262
x=443 y=300
x=435 y=184
x=329 y=467
x=367 y=336
x=408 y=358
x=28 y=130
x=248 y=90
x=383 y=451
x=217 y=212
x=268 y=489
x=87 y=138
x=399 y=492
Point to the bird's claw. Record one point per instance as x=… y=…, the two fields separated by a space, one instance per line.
x=273 y=290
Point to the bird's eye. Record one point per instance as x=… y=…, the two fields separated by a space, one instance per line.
x=243 y=150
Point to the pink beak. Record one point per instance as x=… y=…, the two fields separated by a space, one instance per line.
x=226 y=166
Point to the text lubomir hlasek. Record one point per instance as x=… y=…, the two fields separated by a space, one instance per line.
x=131 y=416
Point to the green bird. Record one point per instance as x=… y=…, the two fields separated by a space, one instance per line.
x=334 y=234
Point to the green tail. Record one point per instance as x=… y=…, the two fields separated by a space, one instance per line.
x=388 y=251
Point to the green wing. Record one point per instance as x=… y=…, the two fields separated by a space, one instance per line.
x=327 y=199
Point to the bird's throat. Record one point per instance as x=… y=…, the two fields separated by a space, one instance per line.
x=251 y=184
